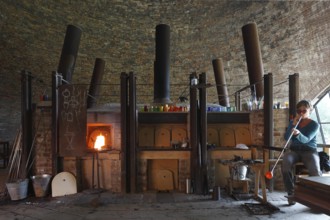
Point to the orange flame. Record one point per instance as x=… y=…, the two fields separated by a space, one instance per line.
x=100 y=142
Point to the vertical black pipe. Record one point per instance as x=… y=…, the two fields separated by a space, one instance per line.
x=56 y=83
x=162 y=65
x=268 y=110
x=238 y=101
x=26 y=117
x=132 y=131
x=94 y=89
x=294 y=94
x=220 y=80
x=194 y=158
x=203 y=133
x=268 y=118
x=69 y=52
x=125 y=158
x=253 y=58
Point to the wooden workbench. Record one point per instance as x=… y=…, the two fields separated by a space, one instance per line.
x=314 y=192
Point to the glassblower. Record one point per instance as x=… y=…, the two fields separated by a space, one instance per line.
x=269 y=174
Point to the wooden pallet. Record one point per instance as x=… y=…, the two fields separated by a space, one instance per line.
x=314 y=192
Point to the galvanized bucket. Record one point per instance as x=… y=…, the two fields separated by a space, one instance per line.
x=41 y=184
x=238 y=172
x=18 y=190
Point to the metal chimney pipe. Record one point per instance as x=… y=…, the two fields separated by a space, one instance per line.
x=162 y=65
x=69 y=52
x=221 y=82
x=294 y=94
x=94 y=89
x=253 y=58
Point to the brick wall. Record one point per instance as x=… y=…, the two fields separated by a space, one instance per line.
x=42 y=156
x=281 y=119
x=80 y=167
x=293 y=35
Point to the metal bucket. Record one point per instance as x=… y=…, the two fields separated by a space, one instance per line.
x=41 y=184
x=18 y=190
x=238 y=172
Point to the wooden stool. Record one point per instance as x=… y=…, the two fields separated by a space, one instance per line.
x=233 y=184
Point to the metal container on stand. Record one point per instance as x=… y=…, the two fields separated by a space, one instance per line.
x=216 y=193
x=188 y=186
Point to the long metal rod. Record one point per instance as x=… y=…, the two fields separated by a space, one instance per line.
x=93 y=169
x=286 y=144
x=98 y=169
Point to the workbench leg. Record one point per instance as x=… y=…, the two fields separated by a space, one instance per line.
x=263 y=186
x=256 y=183
x=230 y=186
x=259 y=172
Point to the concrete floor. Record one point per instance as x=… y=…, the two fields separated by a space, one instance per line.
x=150 y=205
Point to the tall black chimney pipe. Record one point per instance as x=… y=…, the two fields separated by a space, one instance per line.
x=162 y=65
x=253 y=58
x=94 y=88
x=69 y=52
x=220 y=80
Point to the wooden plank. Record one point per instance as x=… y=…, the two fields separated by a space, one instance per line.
x=228 y=154
x=313 y=198
x=320 y=182
x=163 y=117
x=72 y=120
x=174 y=154
x=228 y=117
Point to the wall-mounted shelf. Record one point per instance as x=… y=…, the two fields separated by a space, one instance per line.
x=228 y=117
x=182 y=117
x=163 y=117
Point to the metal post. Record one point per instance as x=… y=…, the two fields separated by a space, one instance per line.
x=195 y=161
x=132 y=131
x=203 y=133
x=98 y=169
x=125 y=158
x=93 y=169
x=238 y=101
x=268 y=120
x=294 y=93
x=56 y=83
x=26 y=117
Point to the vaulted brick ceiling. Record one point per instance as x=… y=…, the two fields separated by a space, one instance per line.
x=294 y=38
